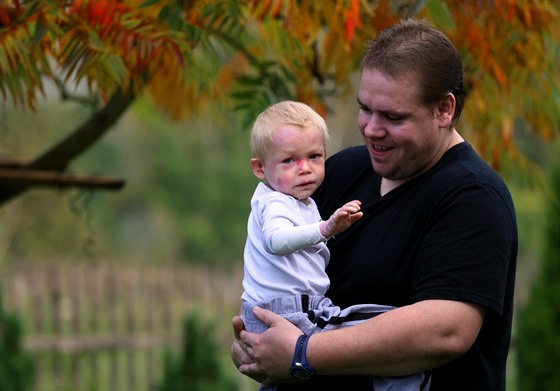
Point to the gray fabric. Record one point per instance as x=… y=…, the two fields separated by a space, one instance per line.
x=324 y=312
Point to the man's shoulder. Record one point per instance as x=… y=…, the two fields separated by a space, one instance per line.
x=464 y=164
x=462 y=173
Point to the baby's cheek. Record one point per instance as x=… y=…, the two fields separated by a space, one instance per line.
x=284 y=183
x=281 y=183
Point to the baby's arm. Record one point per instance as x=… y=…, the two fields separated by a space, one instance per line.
x=341 y=219
x=287 y=240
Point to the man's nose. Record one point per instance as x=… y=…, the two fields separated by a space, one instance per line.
x=374 y=127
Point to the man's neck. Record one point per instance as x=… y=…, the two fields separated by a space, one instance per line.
x=388 y=184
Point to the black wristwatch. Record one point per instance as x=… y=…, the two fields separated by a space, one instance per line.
x=300 y=369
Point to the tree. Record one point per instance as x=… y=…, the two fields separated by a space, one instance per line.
x=538 y=336
x=252 y=53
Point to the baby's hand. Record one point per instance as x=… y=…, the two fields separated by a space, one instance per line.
x=341 y=219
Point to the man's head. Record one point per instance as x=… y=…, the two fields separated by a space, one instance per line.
x=415 y=46
x=409 y=96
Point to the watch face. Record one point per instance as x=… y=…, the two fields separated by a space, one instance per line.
x=300 y=372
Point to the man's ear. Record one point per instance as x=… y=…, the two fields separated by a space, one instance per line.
x=257 y=167
x=445 y=110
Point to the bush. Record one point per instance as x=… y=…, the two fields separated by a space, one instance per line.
x=16 y=366
x=539 y=320
x=198 y=367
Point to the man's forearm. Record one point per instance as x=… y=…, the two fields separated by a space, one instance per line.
x=399 y=342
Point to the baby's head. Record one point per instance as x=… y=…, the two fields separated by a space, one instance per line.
x=285 y=113
x=288 y=144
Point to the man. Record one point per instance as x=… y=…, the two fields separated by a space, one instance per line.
x=438 y=239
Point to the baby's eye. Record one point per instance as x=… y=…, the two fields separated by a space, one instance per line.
x=288 y=160
x=315 y=156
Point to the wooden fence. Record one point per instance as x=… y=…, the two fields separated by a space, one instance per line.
x=106 y=326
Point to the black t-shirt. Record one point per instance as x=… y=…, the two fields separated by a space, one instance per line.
x=448 y=234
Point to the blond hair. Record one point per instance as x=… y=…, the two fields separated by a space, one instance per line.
x=281 y=114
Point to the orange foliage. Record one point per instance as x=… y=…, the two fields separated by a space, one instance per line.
x=383 y=16
x=316 y=43
x=351 y=21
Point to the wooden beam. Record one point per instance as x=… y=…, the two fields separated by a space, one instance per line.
x=6 y=162
x=38 y=178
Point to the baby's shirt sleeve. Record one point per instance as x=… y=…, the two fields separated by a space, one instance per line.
x=285 y=228
x=291 y=239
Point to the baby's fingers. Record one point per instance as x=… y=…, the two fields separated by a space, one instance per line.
x=355 y=216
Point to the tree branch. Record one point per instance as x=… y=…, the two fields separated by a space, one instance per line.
x=55 y=179
x=59 y=157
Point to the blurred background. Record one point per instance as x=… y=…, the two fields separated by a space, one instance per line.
x=125 y=183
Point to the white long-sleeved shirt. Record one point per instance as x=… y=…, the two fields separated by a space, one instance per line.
x=285 y=253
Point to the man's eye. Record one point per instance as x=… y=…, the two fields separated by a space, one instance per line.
x=393 y=117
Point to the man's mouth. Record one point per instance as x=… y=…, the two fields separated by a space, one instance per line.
x=380 y=148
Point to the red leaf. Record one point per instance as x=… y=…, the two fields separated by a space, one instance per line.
x=352 y=21
x=4 y=17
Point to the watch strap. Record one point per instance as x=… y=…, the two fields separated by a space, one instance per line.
x=300 y=369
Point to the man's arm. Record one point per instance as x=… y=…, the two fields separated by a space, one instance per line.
x=399 y=342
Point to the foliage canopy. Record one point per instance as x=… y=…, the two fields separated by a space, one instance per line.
x=190 y=55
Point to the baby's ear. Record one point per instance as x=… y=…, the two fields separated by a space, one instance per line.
x=257 y=167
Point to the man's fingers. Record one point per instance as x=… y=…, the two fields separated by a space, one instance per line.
x=252 y=371
x=266 y=316
x=237 y=324
x=239 y=355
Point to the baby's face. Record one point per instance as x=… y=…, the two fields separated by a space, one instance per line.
x=295 y=163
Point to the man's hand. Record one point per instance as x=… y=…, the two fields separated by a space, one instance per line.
x=265 y=357
x=238 y=354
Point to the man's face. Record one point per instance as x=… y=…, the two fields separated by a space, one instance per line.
x=404 y=137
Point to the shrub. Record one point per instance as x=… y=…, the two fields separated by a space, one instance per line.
x=198 y=367
x=16 y=366
x=539 y=320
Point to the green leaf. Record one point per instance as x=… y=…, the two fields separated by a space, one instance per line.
x=94 y=40
x=171 y=15
x=29 y=11
x=116 y=68
x=130 y=22
x=247 y=94
x=250 y=81
x=440 y=15
x=147 y=3
x=40 y=31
